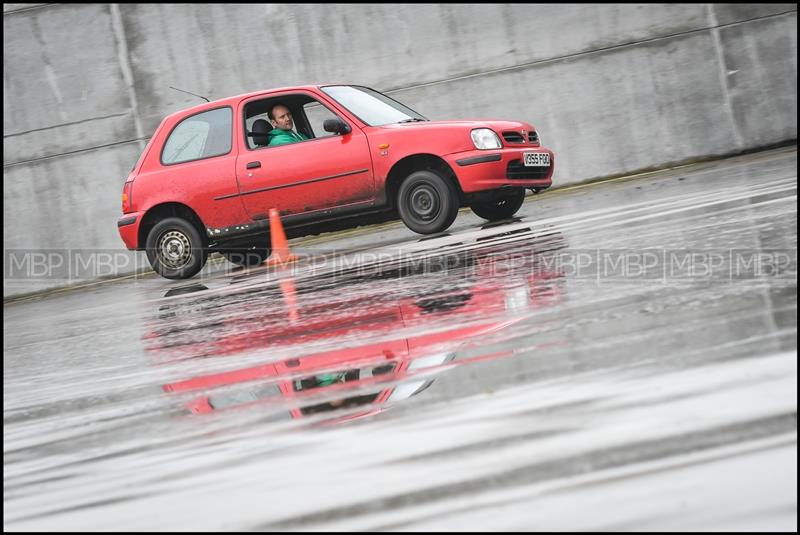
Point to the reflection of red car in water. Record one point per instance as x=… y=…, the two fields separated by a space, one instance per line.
x=368 y=350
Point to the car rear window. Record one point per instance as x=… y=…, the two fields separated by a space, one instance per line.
x=204 y=135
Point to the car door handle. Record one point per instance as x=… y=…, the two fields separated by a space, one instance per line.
x=254 y=165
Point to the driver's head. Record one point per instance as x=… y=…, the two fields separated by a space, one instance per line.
x=280 y=117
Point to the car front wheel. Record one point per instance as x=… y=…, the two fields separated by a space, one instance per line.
x=175 y=249
x=500 y=207
x=427 y=202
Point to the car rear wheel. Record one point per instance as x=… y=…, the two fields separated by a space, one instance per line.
x=175 y=249
x=500 y=207
x=427 y=202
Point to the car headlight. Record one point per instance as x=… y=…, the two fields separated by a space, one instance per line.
x=430 y=361
x=484 y=139
x=517 y=299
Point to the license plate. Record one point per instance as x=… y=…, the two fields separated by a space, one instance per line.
x=537 y=159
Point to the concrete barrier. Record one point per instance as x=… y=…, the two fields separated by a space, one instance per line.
x=611 y=88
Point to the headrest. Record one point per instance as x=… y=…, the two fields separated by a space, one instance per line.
x=261 y=128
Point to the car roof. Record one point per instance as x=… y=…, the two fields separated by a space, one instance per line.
x=233 y=100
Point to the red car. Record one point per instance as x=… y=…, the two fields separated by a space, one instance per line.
x=372 y=357
x=352 y=345
x=209 y=176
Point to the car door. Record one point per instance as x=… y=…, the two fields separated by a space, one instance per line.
x=307 y=176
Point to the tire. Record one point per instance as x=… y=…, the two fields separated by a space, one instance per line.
x=247 y=256
x=501 y=207
x=175 y=249
x=427 y=202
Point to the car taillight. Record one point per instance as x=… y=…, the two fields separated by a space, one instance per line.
x=127 y=201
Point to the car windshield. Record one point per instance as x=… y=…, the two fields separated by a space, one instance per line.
x=370 y=106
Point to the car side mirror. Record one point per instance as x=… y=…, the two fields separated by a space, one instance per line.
x=337 y=126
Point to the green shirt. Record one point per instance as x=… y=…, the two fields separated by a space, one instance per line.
x=283 y=137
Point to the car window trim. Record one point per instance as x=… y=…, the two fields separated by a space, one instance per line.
x=166 y=139
x=333 y=109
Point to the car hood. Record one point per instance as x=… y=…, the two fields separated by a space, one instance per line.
x=497 y=126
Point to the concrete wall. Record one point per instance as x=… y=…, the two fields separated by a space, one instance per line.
x=611 y=88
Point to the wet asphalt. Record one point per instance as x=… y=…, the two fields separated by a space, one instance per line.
x=622 y=355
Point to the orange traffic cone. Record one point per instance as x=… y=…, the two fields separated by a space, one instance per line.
x=290 y=297
x=280 y=247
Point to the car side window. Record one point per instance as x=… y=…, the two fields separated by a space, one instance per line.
x=317 y=114
x=200 y=136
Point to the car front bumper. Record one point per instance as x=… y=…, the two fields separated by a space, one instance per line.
x=481 y=170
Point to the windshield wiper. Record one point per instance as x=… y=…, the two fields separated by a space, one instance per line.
x=412 y=120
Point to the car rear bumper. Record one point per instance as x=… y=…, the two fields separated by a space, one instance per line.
x=480 y=170
x=128 y=226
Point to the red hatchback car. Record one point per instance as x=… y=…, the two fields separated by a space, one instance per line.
x=210 y=174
